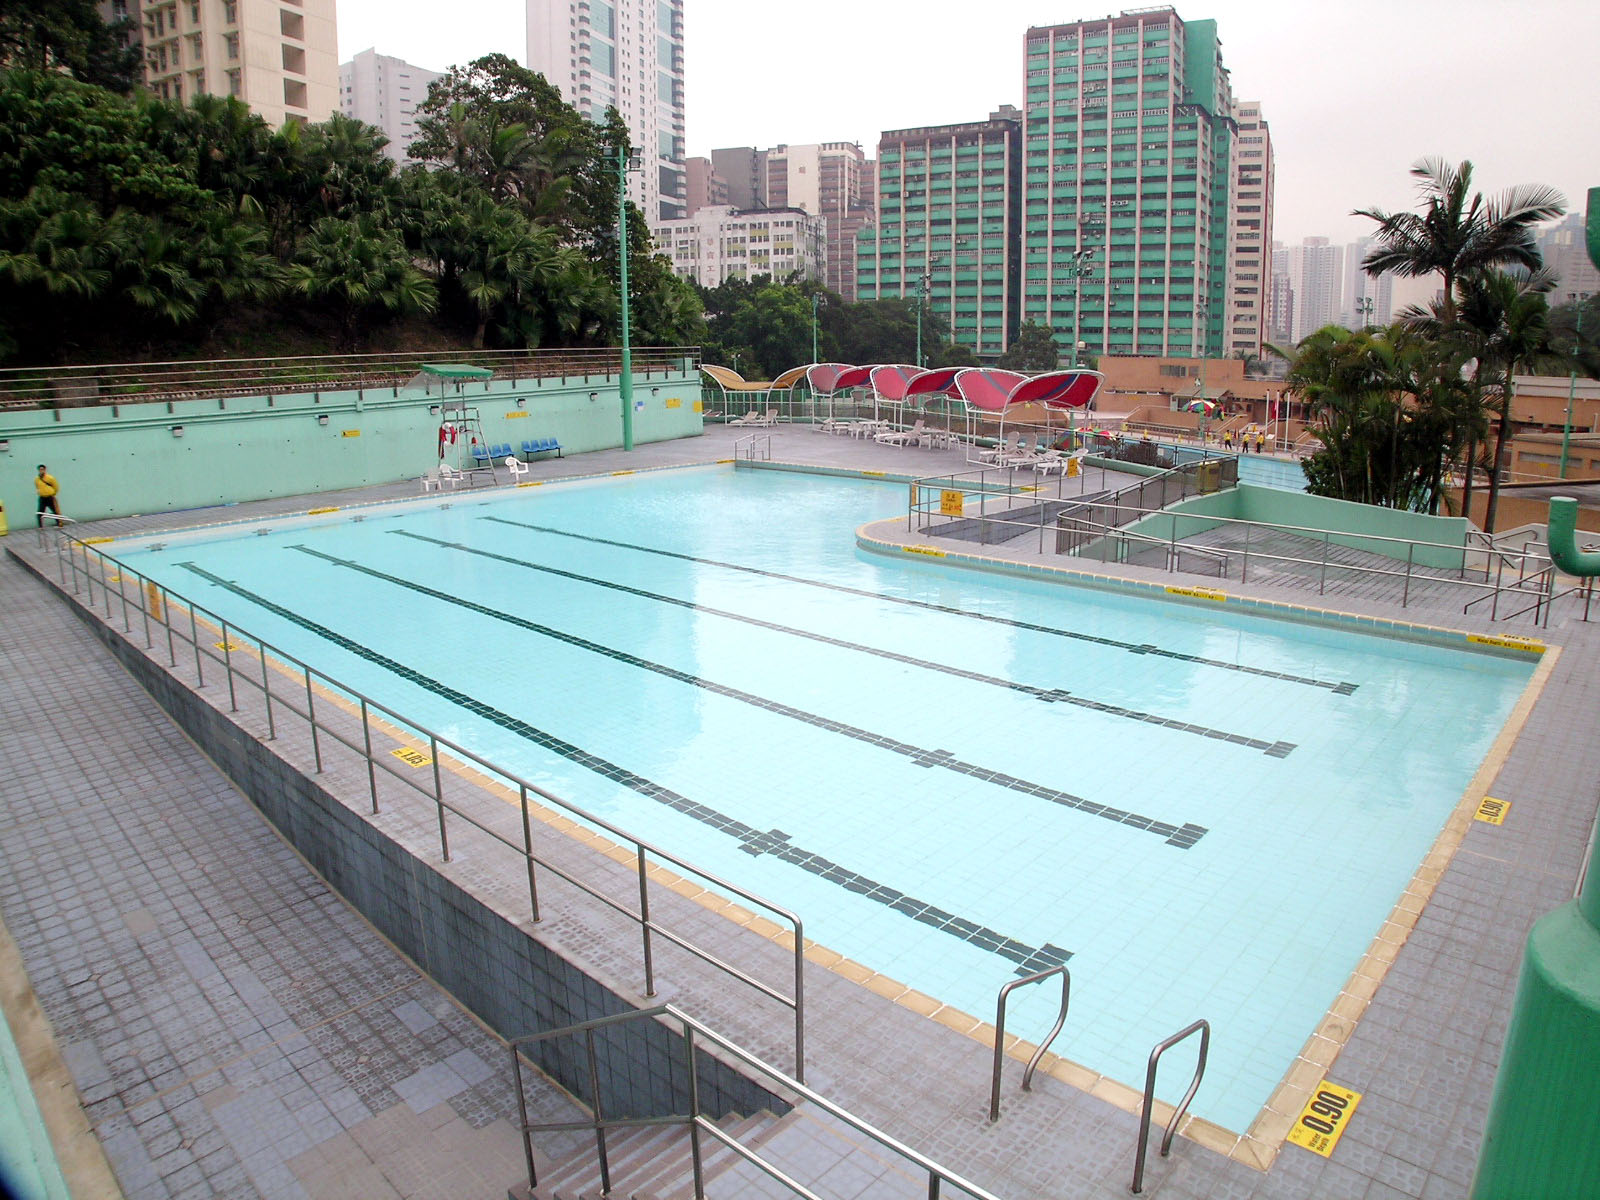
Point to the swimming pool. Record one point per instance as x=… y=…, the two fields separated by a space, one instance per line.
x=952 y=777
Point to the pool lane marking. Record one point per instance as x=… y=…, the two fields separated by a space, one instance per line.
x=1340 y=689
x=1028 y=959
x=1182 y=836
x=1048 y=695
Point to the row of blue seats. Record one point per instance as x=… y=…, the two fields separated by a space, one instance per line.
x=485 y=456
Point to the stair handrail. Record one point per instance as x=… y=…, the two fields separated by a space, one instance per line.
x=695 y=1120
x=1000 y=1031
x=1203 y=1027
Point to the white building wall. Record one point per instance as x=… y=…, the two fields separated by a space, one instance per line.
x=385 y=92
x=1316 y=274
x=721 y=242
x=627 y=54
x=1249 y=263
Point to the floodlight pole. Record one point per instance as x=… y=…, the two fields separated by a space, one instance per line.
x=816 y=302
x=625 y=383
x=1572 y=383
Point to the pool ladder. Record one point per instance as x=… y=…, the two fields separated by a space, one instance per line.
x=1203 y=1028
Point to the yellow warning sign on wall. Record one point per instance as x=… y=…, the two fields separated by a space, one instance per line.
x=1322 y=1121
x=350 y=433
x=1492 y=811
x=674 y=402
x=950 y=503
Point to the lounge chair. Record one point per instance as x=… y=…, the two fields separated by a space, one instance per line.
x=903 y=437
x=1008 y=445
x=1025 y=455
x=753 y=417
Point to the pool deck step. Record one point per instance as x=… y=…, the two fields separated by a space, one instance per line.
x=647 y=1163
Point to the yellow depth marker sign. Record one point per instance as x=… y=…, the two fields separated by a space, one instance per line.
x=100 y=541
x=1492 y=811
x=874 y=474
x=412 y=758
x=1527 y=645
x=928 y=550
x=1322 y=1121
x=314 y=512
x=950 y=503
x=1198 y=593
x=228 y=647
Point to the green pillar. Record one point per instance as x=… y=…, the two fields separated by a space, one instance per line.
x=625 y=381
x=1543 y=1133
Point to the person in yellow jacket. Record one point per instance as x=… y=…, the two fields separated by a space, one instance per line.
x=45 y=484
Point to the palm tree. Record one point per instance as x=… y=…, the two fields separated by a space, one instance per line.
x=357 y=266
x=1506 y=320
x=1457 y=231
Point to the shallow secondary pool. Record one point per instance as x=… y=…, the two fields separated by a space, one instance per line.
x=952 y=777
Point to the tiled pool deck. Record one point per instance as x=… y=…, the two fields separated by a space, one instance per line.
x=233 y=1028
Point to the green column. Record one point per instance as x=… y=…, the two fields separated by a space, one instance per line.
x=1543 y=1133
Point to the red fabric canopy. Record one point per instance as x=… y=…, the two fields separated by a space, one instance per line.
x=987 y=387
x=1058 y=389
x=937 y=381
x=891 y=381
x=824 y=377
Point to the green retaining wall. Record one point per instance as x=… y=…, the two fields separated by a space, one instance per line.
x=1354 y=525
x=119 y=460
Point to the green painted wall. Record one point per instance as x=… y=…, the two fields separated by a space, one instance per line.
x=117 y=460
x=1354 y=525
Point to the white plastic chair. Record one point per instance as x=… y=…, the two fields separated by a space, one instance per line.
x=517 y=469
x=448 y=475
x=430 y=482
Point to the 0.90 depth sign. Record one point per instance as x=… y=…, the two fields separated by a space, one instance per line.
x=1324 y=1118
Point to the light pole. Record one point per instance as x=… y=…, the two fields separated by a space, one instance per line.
x=625 y=162
x=922 y=293
x=1572 y=383
x=1364 y=307
x=1078 y=267
x=817 y=301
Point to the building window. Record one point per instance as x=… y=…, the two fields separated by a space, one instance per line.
x=235 y=87
x=230 y=11
x=231 y=42
x=293 y=25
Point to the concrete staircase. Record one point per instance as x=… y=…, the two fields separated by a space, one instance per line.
x=647 y=1163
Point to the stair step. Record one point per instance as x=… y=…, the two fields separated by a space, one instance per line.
x=675 y=1181
x=581 y=1170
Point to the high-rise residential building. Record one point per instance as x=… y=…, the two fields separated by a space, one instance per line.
x=1359 y=287
x=1316 y=273
x=1565 y=252
x=1249 y=281
x=1128 y=166
x=1280 y=309
x=824 y=179
x=948 y=220
x=745 y=169
x=703 y=187
x=627 y=55
x=721 y=242
x=385 y=92
x=278 y=56
x=843 y=238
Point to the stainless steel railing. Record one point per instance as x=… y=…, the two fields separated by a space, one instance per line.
x=696 y=1122
x=1203 y=1028
x=83 y=568
x=1000 y=1031
x=756 y=446
x=114 y=383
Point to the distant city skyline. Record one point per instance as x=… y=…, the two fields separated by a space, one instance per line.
x=1355 y=93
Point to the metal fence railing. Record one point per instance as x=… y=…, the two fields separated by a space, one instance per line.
x=338 y=715
x=127 y=383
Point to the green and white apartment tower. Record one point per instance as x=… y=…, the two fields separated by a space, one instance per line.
x=1128 y=156
x=949 y=227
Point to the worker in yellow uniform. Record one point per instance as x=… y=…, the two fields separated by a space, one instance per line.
x=45 y=484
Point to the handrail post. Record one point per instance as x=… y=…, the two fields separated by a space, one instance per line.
x=227 y=667
x=1000 y=1031
x=266 y=690
x=194 y=638
x=1322 y=579
x=522 y=1110
x=694 y=1111
x=1203 y=1027
x=372 y=766
x=599 y=1113
x=144 y=608
x=311 y=718
x=1244 y=566
x=438 y=796
x=166 y=619
x=527 y=849
x=644 y=926
x=122 y=594
x=1405 y=595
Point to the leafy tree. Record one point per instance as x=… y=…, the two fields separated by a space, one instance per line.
x=359 y=269
x=69 y=36
x=1033 y=349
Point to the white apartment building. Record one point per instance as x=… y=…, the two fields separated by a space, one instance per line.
x=722 y=242
x=385 y=92
x=627 y=54
x=1316 y=274
x=279 y=56
x=1360 y=287
x=1249 y=282
x=1565 y=251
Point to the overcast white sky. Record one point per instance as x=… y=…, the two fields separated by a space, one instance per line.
x=1354 y=90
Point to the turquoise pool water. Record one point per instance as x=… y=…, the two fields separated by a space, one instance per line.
x=951 y=776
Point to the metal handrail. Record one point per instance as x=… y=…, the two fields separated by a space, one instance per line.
x=1000 y=1031
x=156 y=600
x=748 y=446
x=112 y=383
x=695 y=1120
x=1204 y=1029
